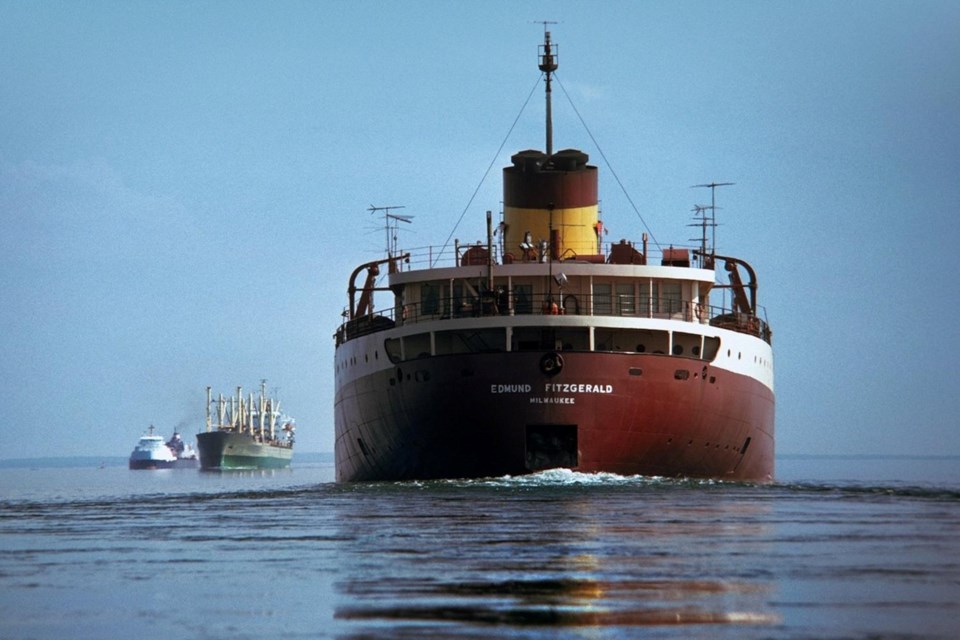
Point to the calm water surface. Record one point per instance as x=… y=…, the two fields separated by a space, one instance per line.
x=838 y=548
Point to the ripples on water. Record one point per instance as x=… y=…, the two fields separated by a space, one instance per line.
x=557 y=554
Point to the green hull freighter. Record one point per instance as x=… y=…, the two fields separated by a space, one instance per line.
x=250 y=433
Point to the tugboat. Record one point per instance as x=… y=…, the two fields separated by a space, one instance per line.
x=551 y=348
x=249 y=433
x=151 y=452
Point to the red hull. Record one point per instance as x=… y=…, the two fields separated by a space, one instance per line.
x=482 y=415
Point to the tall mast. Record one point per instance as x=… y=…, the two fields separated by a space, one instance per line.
x=548 y=64
x=713 y=209
x=263 y=405
x=391 y=226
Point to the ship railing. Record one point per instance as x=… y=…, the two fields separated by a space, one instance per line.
x=500 y=303
x=475 y=254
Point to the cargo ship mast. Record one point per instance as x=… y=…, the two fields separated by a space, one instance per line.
x=548 y=64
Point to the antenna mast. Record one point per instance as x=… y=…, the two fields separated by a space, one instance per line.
x=548 y=64
x=713 y=211
x=703 y=220
x=396 y=220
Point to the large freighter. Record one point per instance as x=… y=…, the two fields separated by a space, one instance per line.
x=249 y=433
x=551 y=349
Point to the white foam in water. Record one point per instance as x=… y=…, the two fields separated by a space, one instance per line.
x=568 y=477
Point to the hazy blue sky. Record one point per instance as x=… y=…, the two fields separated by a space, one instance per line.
x=184 y=185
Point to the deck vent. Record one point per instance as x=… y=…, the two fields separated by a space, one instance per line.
x=551 y=445
x=675 y=258
x=624 y=253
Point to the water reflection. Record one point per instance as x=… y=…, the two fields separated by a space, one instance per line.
x=246 y=472
x=555 y=556
x=561 y=602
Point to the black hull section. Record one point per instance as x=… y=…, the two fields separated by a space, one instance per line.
x=483 y=415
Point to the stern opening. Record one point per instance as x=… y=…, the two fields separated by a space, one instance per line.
x=550 y=446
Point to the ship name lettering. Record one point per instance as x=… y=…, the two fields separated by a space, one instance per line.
x=553 y=400
x=510 y=388
x=552 y=387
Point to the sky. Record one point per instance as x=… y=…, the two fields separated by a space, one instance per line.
x=184 y=190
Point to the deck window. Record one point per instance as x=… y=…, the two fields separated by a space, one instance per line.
x=601 y=299
x=649 y=291
x=671 y=300
x=454 y=304
x=430 y=294
x=523 y=299
x=626 y=299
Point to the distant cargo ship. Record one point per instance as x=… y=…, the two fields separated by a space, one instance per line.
x=151 y=452
x=249 y=433
x=555 y=349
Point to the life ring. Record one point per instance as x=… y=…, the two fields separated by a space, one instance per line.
x=551 y=363
x=698 y=311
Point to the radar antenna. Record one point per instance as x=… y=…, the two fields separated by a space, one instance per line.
x=391 y=225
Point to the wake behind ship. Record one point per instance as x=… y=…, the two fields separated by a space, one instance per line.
x=249 y=433
x=550 y=348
